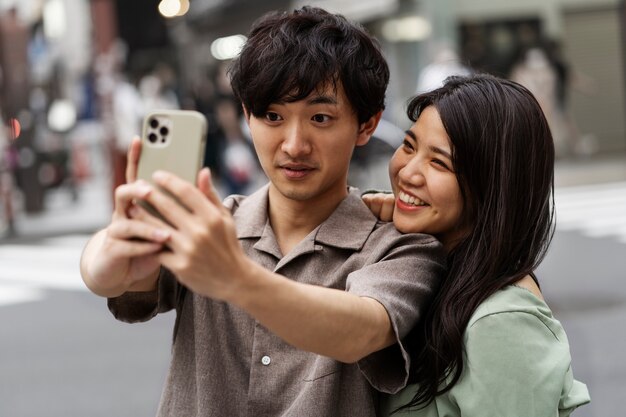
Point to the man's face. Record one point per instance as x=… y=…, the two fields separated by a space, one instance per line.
x=305 y=146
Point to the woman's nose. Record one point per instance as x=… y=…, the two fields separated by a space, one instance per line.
x=412 y=173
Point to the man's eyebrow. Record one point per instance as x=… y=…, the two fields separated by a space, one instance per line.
x=323 y=99
x=411 y=134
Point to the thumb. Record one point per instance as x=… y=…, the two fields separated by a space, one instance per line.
x=205 y=185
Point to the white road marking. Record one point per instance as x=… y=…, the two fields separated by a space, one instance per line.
x=26 y=271
x=594 y=210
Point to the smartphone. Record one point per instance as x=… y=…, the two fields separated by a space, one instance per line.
x=174 y=141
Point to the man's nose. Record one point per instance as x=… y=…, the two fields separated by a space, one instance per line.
x=296 y=142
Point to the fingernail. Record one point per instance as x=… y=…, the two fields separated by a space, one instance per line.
x=143 y=187
x=161 y=234
x=158 y=175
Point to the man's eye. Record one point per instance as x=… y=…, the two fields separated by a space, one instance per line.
x=272 y=117
x=321 y=118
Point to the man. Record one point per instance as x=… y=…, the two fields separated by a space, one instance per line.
x=293 y=301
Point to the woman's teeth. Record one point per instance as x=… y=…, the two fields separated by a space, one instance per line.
x=409 y=199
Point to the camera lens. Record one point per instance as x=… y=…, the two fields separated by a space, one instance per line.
x=152 y=137
x=154 y=123
x=164 y=131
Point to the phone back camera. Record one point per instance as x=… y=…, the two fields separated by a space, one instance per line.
x=158 y=129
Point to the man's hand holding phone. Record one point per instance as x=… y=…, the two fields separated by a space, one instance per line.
x=204 y=252
x=123 y=256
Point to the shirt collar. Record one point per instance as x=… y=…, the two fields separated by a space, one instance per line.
x=348 y=227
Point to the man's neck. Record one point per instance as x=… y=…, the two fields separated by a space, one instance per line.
x=293 y=220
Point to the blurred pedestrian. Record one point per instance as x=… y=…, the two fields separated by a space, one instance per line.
x=239 y=166
x=568 y=79
x=8 y=161
x=535 y=72
x=292 y=301
x=489 y=345
x=445 y=63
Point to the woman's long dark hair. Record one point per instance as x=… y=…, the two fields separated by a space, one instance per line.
x=503 y=157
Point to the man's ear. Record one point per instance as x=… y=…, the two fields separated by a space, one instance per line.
x=367 y=128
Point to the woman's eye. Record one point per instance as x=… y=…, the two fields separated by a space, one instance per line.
x=407 y=145
x=320 y=118
x=441 y=164
x=272 y=117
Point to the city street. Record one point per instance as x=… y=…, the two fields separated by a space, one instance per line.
x=63 y=354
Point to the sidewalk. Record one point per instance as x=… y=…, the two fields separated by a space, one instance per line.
x=62 y=215
x=590 y=170
x=92 y=210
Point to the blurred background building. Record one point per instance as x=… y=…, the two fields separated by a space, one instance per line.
x=76 y=77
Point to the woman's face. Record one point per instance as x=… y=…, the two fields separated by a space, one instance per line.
x=428 y=197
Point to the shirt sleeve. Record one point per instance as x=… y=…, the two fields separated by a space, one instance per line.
x=133 y=307
x=515 y=366
x=404 y=282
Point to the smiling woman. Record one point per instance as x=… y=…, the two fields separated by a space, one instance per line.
x=477 y=145
x=423 y=179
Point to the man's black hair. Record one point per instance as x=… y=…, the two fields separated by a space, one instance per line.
x=289 y=55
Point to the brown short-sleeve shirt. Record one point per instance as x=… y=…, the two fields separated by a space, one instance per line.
x=224 y=363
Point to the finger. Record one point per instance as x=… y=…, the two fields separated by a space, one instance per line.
x=170 y=208
x=373 y=202
x=388 y=206
x=140 y=213
x=134 y=248
x=205 y=184
x=134 y=152
x=125 y=194
x=186 y=193
x=126 y=229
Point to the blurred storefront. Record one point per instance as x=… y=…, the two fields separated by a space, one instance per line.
x=587 y=35
x=583 y=38
x=63 y=63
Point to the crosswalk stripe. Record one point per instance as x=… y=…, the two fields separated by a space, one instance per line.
x=594 y=210
x=28 y=270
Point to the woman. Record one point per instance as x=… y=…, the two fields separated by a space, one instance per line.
x=476 y=170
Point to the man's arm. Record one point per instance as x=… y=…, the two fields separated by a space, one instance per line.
x=206 y=256
x=326 y=321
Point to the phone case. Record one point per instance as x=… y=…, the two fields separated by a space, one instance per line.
x=174 y=141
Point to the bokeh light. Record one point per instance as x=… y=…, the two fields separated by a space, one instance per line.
x=15 y=128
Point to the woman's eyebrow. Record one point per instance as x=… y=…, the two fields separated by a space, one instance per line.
x=411 y=134
x=441 y=152
x=432 y=148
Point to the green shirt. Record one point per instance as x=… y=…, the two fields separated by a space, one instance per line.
x=518 y=364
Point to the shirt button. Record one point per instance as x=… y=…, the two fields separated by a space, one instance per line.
x=265 y=360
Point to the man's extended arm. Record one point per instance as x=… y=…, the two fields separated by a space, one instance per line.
x=206 y=257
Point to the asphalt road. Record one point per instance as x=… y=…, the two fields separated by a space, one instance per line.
x=66 y=356
x=584 y=282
